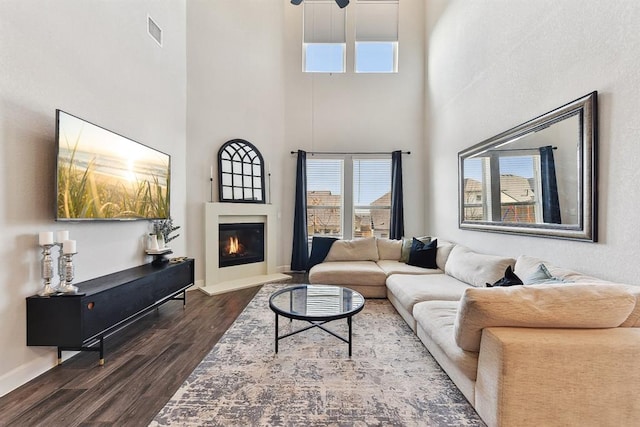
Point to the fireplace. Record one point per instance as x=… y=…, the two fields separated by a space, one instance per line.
x=240 y=243
x=220 y=279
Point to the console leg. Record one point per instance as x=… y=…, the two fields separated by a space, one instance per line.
x=101 y=363
x=59 y=356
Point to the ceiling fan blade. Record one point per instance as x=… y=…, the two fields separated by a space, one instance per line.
x=296 y=2
x=342 y=3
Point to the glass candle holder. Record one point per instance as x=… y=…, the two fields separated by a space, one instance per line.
x=46 y=271
x=69 y=270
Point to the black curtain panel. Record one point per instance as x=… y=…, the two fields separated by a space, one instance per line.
x=300 y=253
x=550 y=201
x=396 y=230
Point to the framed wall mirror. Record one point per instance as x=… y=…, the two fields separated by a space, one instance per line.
x=538 y=178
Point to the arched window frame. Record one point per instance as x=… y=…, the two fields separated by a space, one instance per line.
x=240 y=173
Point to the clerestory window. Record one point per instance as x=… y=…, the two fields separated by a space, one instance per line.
x=324 y=39
x=376 y=43
x=373 y=32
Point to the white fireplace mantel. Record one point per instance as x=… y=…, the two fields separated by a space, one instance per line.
x=220 y=280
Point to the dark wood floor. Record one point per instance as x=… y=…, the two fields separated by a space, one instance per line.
x=145 y=364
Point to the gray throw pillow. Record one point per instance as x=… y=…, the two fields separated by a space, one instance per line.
x=542 y=275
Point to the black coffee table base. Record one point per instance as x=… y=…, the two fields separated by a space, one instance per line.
x=311 y=326
x=317 y=305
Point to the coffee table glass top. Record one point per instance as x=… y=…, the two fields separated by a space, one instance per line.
x=316 y=302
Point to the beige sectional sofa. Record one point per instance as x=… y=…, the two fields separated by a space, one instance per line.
x=561 y=352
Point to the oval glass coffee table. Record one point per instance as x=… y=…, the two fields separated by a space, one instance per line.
x=316 y=304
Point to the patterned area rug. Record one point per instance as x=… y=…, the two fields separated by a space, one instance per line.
x=390 y=380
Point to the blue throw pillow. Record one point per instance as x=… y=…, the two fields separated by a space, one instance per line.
x=423 y=254
x=406 y=247
x=509 y=279
x=319 y=249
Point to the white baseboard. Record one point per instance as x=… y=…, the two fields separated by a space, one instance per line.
x=25 y=373
x=247 y=282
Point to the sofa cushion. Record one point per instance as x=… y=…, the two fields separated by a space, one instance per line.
x=474 y=268
x=540 y=306
x=397 y=267
x=437 y=320
x=354 y=250
x=444 y=249
x=410 y=289
x=423 y=254
x=345 y=273
x=633 y=321
x=389 y=249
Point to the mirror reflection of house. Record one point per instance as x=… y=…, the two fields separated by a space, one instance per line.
x=518 y=201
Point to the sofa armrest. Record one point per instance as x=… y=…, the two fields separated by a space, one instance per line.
x=537 y=377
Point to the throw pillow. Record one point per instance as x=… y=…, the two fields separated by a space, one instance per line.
x=423 y=254
x=319 y=249
x=542 y=276
x=406 y=247
x=509 y=279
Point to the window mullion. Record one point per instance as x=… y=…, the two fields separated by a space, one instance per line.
x=348 y=211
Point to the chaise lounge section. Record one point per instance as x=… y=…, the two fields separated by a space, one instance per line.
x=560 y=350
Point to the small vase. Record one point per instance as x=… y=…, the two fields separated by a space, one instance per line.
x=160 y=241
x=152 y=243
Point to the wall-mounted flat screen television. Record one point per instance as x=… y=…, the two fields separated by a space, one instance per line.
x=105 y=176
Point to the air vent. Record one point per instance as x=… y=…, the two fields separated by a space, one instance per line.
x=154 y=31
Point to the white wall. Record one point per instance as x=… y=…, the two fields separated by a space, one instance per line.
x=245 y=81
x=235 y=90
x=95 y=60
x=357 y=112
x=495 y=64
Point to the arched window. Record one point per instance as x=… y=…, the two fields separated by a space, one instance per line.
x=240 y=173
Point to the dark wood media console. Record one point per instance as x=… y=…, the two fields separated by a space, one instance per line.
x=104 y=305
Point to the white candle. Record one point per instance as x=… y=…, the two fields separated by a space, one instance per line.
x=69 y=247
x=46 y=238
x=62 y=235
x=211 y=172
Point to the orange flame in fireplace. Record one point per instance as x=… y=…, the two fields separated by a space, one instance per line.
x=234 y=246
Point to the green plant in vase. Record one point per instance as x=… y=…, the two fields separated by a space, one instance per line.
x=163 y=228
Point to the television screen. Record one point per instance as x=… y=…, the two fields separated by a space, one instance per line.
x=104 y=176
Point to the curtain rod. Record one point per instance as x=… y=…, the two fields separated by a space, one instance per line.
x=337 y=152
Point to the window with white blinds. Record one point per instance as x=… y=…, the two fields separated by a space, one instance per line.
x=324 y=197
x=371 y=197
x=376 y=44
x=324 y=37
x=349 y=197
